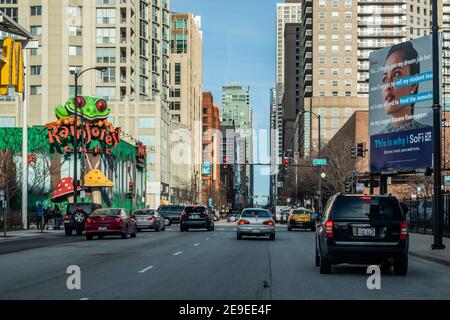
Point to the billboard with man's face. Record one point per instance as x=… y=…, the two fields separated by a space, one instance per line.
x=400 y=107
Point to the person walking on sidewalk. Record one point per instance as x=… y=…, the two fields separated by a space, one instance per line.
x=47 y=217
x=39 y=216
x=57 y=217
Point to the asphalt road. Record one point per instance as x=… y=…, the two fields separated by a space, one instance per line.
x=204 y=265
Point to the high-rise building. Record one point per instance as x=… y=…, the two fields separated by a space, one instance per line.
x=211 y=149
x=186 y=85
x=236 y=110
x=337 y=38
x=130 y=39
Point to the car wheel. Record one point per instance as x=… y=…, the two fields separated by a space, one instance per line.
x=79 y=232
x=125 y=234
x=68 y=231
x=181 y=228
x=164 y=227
x=272 y=237
x=317 y=258
x=167 y=222
x=401 y=266
x=139 y=230
x=89 y=237
x=239 y=237
x=325 y=265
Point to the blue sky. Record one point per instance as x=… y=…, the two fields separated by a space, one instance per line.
x=238 y=46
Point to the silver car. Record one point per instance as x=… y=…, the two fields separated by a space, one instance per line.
x=256 y=222
x=149 y=219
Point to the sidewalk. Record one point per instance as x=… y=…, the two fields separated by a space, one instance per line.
x=420 y=247
x=30 y=233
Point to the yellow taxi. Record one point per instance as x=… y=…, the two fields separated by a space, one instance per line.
x=302 y=218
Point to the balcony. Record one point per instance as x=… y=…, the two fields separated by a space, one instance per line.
x=381 y=11
x=368 y=32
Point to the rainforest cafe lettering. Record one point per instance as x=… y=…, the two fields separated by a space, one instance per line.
x=61 y=134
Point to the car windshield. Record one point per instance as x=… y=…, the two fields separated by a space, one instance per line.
x=256 y=214
x=144 y=213
x=366 y=207
x=106 y=212
x=195 y=209
x=301 y=211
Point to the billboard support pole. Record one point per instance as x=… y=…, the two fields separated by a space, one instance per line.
x=437 y=186
x=383 y=184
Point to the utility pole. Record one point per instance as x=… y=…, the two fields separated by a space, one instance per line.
x=437 y=126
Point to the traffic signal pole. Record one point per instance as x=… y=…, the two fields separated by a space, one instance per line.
x=438 y=220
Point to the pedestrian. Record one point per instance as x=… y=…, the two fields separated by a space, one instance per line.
x=57 y=217
x=39 y=216
x=47 y=217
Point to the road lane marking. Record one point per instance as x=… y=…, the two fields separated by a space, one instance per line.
x=146 y=269
x=84 y=299
x=177 y=253
x=207 y=239
x=196 y=245
x=215 y=234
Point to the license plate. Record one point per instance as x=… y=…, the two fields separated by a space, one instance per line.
x=366 y=232
x=304 y=217
x=256 y=230
x=102 y=228
x=195 y=216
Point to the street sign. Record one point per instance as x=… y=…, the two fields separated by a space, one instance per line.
x=82 y=194
x=210 y=202
x=319 y=162
x=447 y=180
x=360 y=187
x=206 y=168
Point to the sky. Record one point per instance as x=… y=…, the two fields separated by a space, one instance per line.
x=239 y=46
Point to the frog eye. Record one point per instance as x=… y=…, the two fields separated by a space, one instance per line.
x=80 y=102
x=101 y=105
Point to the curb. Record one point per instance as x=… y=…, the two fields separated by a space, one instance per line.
x=430 y=258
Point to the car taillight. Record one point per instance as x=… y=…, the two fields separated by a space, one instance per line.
x=89 y=220
x=152 y=218
x=118 y=220
x=66 y=217
x=206 y=213
x=329 y=226
x=404 y=231
x=269 y=223
x=366 y=198
x=184 y=214
x=292 y=218
x=243 y=222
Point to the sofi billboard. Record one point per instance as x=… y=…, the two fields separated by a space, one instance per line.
x=400 y=107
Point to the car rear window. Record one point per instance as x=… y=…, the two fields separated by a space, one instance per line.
x=366 y=207
x=171 y=209
x=86 y=207
x=256 y=213
x=195 y=209
x=144 y=213
x=106 y=212
x=301 y=211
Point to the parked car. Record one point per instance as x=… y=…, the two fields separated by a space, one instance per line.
x=284 y=216
x=171 y=213
x=110 y=221
x=196 y=217
x=302 y=218
x=149 y=219
x=278 y=212
x=256 y=222
x=363 y=230
x=76 y=215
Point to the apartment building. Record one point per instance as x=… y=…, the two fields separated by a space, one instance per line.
x=337 y=38
x=130 y=39
x=211 y=149
x=186 y=85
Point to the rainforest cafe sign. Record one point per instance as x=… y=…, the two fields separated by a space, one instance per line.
x=141 y=152
x=95 y=135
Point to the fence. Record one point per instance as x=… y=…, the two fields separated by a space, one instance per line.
x=420 y=214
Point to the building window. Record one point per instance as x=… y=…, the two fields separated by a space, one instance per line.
x=175 y=106
x=107 y=76
x=36 y=10
x=335 y=112
x=74 y=11
x=335 y=60
x=335 y=71
x=36 y=70
x=176 y=93
x=322 y=83
x=72 y=91
x=335 y=15
x=146 y=123
x=36 y=51
x=35 y=90
x=148 y=140
x=177 y=73
x=7 y=122
x=348 y=112
x=106 y=55
x=106 y=36
x=106 y=16
x=36 y=30
x=75 y=50
x=335 y=83
x=75 y=31
x=108 y=93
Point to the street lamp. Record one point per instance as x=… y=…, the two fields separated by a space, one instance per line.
x=75 y=139
x=318 y=156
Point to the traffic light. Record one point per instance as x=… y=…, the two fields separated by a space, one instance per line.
x=285 y=165
x=361 y=150
x=225 y=160
x=353 y=153
x=348 y=187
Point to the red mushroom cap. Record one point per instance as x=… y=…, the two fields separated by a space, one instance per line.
x=64 y=188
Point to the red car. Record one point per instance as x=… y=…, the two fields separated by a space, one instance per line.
x=110 y=221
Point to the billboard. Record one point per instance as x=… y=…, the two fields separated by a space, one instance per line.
x=400 y=107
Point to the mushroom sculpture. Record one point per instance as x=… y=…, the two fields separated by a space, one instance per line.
x=64 y=190
x=95 y=179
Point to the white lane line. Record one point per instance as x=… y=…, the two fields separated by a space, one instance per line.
x=106 y=244
x=84 y=299
x=177 y=253
x=146 y=269
x=196 y=245
x=207 y=239
x=215 y=234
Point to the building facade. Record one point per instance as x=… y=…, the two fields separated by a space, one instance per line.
x=128 y=38
x=186 y=85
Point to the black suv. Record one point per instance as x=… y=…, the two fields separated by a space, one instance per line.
x=363 y=229
x=171 y=213
x=76 y=216
x=196 y=217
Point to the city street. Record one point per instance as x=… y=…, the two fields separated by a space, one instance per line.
x=202 y=265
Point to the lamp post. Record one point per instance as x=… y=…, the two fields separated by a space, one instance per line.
x=75 y=139
x=319 y=183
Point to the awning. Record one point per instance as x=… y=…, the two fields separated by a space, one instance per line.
x=9 y=25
